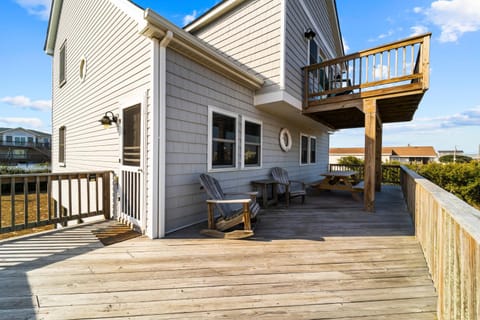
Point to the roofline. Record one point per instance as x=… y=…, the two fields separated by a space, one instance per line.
x=195 y=49
x=338 y=27
x=52 y=28
x=31 y=131
x=212 y=14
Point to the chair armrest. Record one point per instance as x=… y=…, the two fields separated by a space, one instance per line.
x=230 y=201
x=299 y=182
x=253 y=193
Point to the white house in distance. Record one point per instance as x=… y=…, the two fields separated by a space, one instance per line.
x=406 y=154
x=224 y=95
x=24 y=147
x=212 y=97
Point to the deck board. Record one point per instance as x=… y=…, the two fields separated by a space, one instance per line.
x=327 y=259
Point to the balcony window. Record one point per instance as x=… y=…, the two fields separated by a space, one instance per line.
x=252 y=143
x=222 y=140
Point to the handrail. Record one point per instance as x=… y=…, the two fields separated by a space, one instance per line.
x=448 y=230
x=35 y=200
x=390 y=172
x=395 y=64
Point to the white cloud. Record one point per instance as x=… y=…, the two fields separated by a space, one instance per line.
x=418 y=30
x=346 y=47
x=417 y=9
x=453 y=17
x=25 y=102
x=381 y=36
x=21 y=122
x=39 y=8
x=467 y=118
x=190 y=17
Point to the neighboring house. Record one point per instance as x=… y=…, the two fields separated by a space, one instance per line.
x=442 y=153
x=408 y=154
x=24 y=147
x=224 y=95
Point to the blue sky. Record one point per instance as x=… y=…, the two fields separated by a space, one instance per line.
x=448 y=117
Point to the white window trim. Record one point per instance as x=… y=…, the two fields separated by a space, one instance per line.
x=211 y=110
x=309 y=137
x=243 y=143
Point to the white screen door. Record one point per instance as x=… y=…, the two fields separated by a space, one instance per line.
x=131 y=169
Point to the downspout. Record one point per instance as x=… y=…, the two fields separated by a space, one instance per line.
x=162 y=130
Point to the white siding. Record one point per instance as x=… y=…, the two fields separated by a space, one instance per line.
x=190 y=90
x=118 y=63
x=251 y=35
x=296 y=46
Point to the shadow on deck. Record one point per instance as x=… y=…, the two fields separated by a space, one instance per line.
x=325 y=259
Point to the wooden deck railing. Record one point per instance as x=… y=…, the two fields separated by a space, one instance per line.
x=372 y=71
x=390 y=173
x=448 y=230
x=33 y=200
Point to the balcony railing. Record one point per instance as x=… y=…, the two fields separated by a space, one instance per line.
x=402 y=65
x=34 y=200
x=39 y=145
x=448 y=230
x=390 y=172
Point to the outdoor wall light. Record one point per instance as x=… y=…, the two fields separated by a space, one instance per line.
x=107 y=120
x=309 y=34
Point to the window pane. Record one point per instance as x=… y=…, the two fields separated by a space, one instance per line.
x=313 y=52
x=62 y=63
x=304 y=150
x=252 y=155
x=224 y=131
x=252 y=132
x=223 y=127
x=61 y=145
x=131 y=136
x=223 y=154
x=313 y=150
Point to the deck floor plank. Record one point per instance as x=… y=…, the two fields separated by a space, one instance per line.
x=327 y=259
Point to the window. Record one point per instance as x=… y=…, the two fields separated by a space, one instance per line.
x=9 y=138
x=19 y=154
x=252 y=143
x=222 y=140
x=132 y=136
x=303 y=149
x=308 y=149
x=313 y=52
x=61 y=145
x=20 y=141
x=313 y=150
x=62 y=64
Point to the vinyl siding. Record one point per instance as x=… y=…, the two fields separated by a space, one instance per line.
x=118 y=63
x=297 y=21
x=250 y=34
x=191 y=88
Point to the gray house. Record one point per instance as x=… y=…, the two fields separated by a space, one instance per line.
x=223 y=96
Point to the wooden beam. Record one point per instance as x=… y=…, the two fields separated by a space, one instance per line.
x=378 y=153
x=371 y=124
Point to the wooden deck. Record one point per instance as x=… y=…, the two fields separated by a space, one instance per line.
x=325 y=259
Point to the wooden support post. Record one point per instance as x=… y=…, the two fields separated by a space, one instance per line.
x=378 y=154
x=370 y=110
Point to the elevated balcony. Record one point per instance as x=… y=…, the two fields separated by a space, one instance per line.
x=395 y=75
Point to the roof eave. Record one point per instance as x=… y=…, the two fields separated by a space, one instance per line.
x=187 y=44
x=212 y=14
x=52 y=29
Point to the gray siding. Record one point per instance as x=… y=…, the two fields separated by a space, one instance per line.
x=250 y=34
x=190 y=90
x=118 y=63
x=296 y=46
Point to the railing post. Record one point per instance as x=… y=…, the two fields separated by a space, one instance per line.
x=425 y=51
x=106 y=195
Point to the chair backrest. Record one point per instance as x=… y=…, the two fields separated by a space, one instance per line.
x=280 y=175
x=214 y=192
